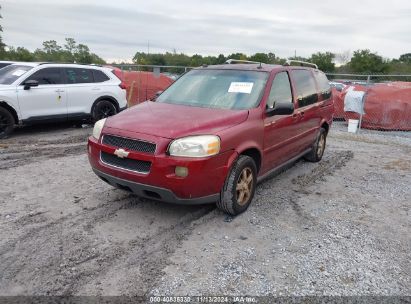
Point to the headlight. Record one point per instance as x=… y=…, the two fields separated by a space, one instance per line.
x=98 y=126
x=195 y=146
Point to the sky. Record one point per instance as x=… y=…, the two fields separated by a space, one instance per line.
x=116 y=30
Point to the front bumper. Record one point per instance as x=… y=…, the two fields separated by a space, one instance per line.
x=206 y=176
x=151 y=192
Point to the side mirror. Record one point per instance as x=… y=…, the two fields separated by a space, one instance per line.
x=30 y=83
x=281 y=108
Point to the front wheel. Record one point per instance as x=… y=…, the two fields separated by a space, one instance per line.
x=6 y=123
x=318 y=148
x=239 y=188
x=103 y=109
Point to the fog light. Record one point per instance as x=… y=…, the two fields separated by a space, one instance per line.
x=181 y=171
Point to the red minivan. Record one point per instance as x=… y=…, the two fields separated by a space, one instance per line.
x=215 y=132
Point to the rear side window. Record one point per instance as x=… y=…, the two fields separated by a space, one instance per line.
x=78 y=75
x=323 y=84
x=47 y=76
x=305 y=87
x=99 y=76
x=280 y=90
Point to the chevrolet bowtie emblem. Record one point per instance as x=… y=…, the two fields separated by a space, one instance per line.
x=121 y=153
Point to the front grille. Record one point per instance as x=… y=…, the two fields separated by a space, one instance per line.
x=129 y=144
x=126 y=163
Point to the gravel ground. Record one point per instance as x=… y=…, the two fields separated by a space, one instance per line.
x=338 y=227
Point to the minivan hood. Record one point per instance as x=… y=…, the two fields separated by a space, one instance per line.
x=173 y=121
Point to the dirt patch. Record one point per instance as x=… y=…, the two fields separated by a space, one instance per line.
x=324 y=168
x=399 y=164
x=337 y=227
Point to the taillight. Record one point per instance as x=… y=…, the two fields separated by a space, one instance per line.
x=123 y=86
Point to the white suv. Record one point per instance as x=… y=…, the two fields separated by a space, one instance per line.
x=45 y=92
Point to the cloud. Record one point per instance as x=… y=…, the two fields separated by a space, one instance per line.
x=121 y=28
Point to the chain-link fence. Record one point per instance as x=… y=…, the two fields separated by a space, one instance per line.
x=383 y=101
x=143 y=82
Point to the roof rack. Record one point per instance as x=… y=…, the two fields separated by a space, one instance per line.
x=231 y=61
x=301 y=63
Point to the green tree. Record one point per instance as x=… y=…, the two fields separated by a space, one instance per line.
x=2 y=45
x=272 y=58
x=70 y=45
x=51 y=46
x=70 y=48
x=197 y=60
x=260 y=57
x=97 y=59
x=221 y=59
x=19 y=54
x=238 y=56
x=149 y=59
x=324 y=61
x=82 y=54
x=364 y=61
x=406 y=58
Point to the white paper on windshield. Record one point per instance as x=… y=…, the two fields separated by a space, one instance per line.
x=241 y=87
x=18 y=73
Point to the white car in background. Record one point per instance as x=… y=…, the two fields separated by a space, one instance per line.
x=337 y=85
x=50 y=92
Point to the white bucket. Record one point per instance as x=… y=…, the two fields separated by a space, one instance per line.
x=352 y=125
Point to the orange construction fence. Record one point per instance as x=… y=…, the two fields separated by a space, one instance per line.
x=387 y=106
x=142 y=86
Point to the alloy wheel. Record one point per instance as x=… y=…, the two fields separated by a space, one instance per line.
x=244 y=187
x=321 y=145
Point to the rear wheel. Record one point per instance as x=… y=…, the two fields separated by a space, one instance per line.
x=318 y=148
x=7 y=122
x=239 y=188
x=103 y=109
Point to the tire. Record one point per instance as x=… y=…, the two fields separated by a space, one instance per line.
x=103 y=109
x=233 y=201
x=7 y=123
x=317 y=150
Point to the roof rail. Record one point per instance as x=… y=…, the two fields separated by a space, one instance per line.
x=231 y=61
x=301 y=63
x=51 y=62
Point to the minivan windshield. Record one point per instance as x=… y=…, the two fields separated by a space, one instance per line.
x=11 y=73
x=223 y=89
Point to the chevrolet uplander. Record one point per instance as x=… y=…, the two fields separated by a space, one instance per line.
x=215 y=132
